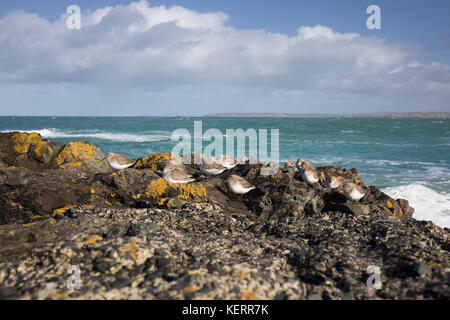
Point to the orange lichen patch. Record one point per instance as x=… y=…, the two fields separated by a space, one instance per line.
x=112 y=195
x=12 y=167
x=151 y=159
x=389 y=204
x=243 y=274
x=134 y=240
x=339 y=178
x=195 y=191
x=433 y=264
x=93 y=239
x=322 y=175
x=42 y=148
x=198 y=272
x=190 y=288
x=136 y=196
x=30 y=224
x=159 y=187
x=62 y=210
x=156 y=188
x=131 y=250
x=401 y=212
x=163 y=201
x=341 y=191
x=249 y=295
x=73 y=153
x=23 y=140
x=295 y=213
x=358 y=180
x=394 y=214
x=60 y=295
x=92 y=190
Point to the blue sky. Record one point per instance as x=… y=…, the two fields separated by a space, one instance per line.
x=276 y=56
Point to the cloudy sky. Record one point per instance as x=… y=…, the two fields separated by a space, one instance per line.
x=196 y=57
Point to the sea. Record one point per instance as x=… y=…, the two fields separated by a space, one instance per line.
x=406 y=157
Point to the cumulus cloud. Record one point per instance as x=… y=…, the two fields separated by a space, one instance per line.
x=158 y=46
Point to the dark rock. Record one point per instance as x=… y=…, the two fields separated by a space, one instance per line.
x=422 y=269
x=135 y=235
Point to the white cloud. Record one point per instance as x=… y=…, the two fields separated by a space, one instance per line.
x=158 y=46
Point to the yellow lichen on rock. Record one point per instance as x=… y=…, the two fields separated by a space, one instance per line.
x=74 y=153
x=158 y=187
x=190 y=288
x=41 y=148
x=131 y=250
x=151 y=160
x=23 y=140
x=195 y=191
x=244 y=274
x=163 y=201
x=93 y=239
x=249 y=295
x=62 y=210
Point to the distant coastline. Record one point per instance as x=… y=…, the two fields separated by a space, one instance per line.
x=318 y=115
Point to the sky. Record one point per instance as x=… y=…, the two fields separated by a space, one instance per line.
x=195 y=57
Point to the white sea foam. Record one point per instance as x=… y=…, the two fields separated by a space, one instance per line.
x=116 y=136
x=428 y=204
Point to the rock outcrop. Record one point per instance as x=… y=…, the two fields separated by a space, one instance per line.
x=200 y=252
x=134 y=235
x=39 y=177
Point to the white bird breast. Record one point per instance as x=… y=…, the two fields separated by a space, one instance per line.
x=356 y=195
x=309 y=178
x=239 y=189
x=118 y=166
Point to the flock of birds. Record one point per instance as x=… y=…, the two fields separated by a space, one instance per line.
x=175 y=172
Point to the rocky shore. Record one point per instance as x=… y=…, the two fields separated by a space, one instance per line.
x=134 y=236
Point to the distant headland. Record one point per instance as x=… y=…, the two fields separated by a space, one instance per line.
x=318 y=115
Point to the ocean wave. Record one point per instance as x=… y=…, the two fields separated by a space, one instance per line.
x=380 y=162
x=428 y=204
x=113 y=136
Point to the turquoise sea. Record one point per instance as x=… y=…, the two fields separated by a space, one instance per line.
x=407 y=158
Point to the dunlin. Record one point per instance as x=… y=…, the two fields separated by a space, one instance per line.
x=210 y=166
x=308 y=171
x=227 y=161
x=290 y=164
x=333 y=183
x=118 y=161
x=175 y=172
x=354 y=191
x=239 y=185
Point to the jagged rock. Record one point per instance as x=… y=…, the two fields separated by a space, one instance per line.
x=200 y=252
x=405 y=208
x=35 y=188
x=83 y=155
x=26 y=194
x=27 y=150
x=147 y=238
x=154 y=161
x=144 y=188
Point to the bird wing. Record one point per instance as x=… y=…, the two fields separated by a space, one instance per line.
x=123 y=159
x=245 y=183
x=180 y=171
